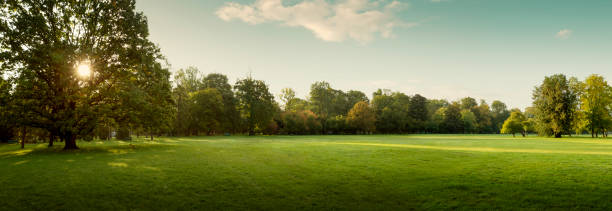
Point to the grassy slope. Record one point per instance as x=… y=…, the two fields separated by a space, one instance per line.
x=311 y=172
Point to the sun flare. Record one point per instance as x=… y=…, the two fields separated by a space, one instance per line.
x=84 y=70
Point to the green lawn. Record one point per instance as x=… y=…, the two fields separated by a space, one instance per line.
x=311 y=172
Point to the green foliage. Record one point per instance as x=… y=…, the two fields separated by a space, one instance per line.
x=300 y=123
x=321 y=96
x=392 y=112
x=555 y=103
x=206 y=111
x=516 y=123
x=499 y=113
x=468 y=103
x=230 y=117
x=338 y=125
x=418 y=112
x=43 y=43
x=595 y=99
x=452 y=121
x=186 y=81
x=362 y=118
x=287 y=96
x=256 y=103
x=7 y=124
x=470 y=124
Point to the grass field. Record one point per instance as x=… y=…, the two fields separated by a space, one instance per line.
x=311 y=172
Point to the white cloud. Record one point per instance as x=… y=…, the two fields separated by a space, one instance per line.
x=360 y=20
x=564 y=34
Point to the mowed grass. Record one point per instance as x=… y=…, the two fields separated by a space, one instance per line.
x=378 y=172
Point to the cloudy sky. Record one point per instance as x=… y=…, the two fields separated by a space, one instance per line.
x=487 y=49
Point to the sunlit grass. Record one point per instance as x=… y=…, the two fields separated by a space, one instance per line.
x=311 y=172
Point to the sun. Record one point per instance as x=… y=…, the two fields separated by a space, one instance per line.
x=84 y=70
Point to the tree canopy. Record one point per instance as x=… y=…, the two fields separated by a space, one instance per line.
x=43 y=43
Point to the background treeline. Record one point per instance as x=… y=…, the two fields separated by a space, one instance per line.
x=130 y=91
x=209 y=105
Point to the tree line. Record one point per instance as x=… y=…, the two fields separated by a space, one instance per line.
x=131 y=92
x=210 y=105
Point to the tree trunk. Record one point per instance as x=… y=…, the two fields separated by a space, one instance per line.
x=23 y=137
x=151 y=134
x=513 y=135
x=51 y=138
x=557 y=135
x=70 y=142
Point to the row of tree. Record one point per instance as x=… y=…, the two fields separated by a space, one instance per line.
x=566 y=106
x=130 y=92
x=209 y=105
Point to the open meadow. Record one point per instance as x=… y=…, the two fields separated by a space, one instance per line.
x=311 y=172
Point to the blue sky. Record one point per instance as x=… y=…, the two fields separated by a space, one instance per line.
x=485 y=49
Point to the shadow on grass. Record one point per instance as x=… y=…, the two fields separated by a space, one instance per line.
x=117 y=148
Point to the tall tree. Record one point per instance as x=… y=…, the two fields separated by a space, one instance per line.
x=231 y=117
x=594 y=103
x=256 y=103
x=43 y=43
x=483 y=116
x=417 y=110
x=327 y=102
x=185 y=81
x=287 y=96
x=499 y=113
x=320 y=98
x=555 y=105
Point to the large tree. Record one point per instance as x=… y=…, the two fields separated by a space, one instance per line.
x=595 y=98
x=186 y=81
x=327 y=102
x=555 y=104
x=255 y=102
x=231 y=117
x=43 y=42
